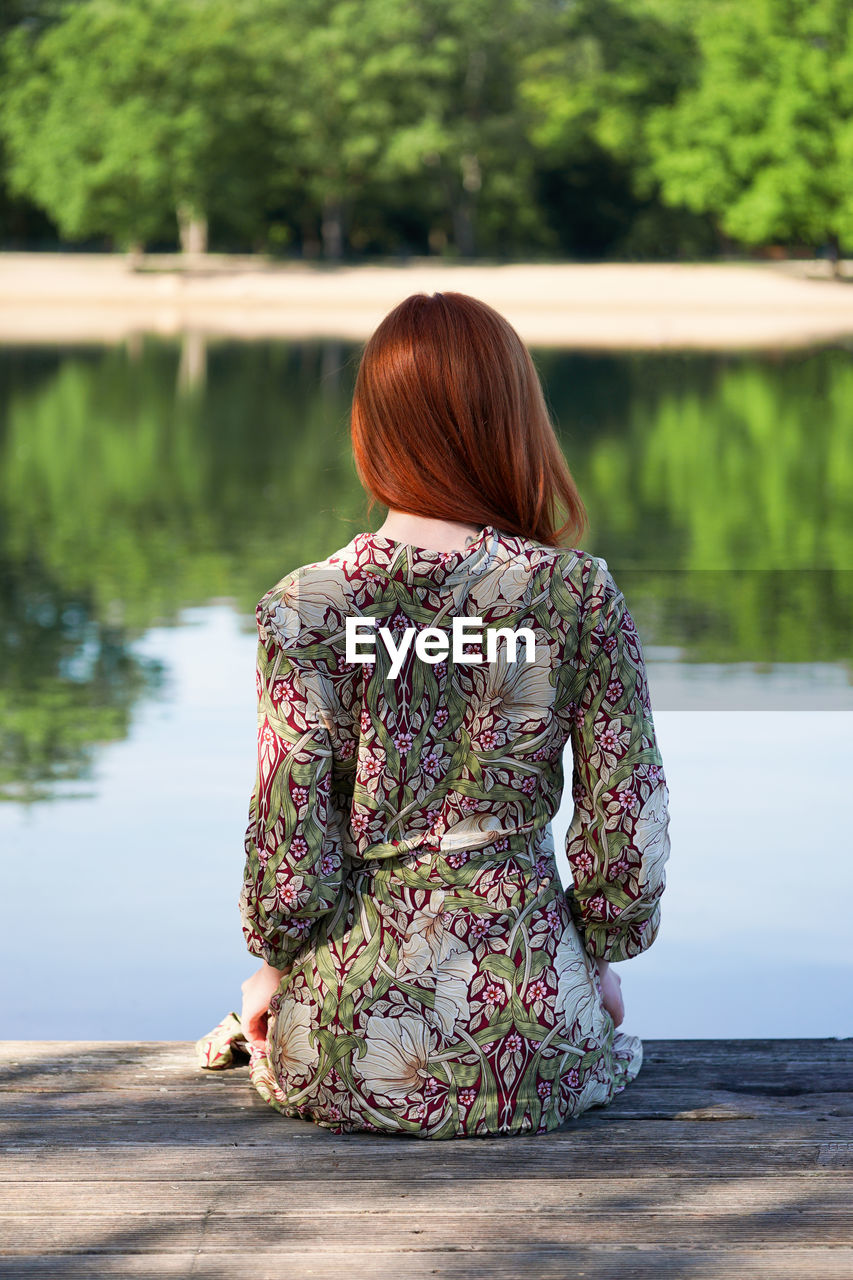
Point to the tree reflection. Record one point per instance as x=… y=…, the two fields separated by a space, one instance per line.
x=142 y=479
x=726 y=482
x=69 y=681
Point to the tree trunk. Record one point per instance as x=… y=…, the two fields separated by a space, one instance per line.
x=463 y=205
x=835 y=257
x=192 y=370
x=192 y=229
x=332 y=228
x=463 y=227
x=311 y=246
x=135 y=254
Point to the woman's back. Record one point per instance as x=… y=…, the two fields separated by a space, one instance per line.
x=399 y=856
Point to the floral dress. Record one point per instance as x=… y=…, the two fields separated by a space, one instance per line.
x=440 y=981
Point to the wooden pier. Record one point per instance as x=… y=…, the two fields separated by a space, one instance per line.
x=729 y=1160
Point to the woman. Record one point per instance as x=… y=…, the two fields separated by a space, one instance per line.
x=424 y=971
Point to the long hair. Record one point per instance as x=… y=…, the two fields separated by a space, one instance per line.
x=449 y=420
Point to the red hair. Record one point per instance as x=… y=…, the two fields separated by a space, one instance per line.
x=449 y=420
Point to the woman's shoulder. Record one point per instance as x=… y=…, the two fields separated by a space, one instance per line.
x=518 y=546
x=583 y=573
x=580 y=584
x=308 y=598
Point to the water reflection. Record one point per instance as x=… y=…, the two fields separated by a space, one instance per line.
x=135 y=892
x=137 y=481
x=69 y=681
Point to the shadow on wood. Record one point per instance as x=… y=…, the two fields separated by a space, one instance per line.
x=724 y=1160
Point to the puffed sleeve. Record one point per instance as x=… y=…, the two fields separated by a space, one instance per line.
x=291 y=876
x=618 y=841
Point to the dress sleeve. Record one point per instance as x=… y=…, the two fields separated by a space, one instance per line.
x=291 y=876
x=618 y=841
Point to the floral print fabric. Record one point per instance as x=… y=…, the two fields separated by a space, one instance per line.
x=440 y=981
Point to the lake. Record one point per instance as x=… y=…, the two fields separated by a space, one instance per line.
x=151 y=492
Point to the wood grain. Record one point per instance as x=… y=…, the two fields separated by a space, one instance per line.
x=721 y=1161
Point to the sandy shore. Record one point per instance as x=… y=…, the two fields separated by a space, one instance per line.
x=88 y=297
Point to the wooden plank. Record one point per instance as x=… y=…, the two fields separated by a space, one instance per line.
x=627 y=1262
x=826 y=1065
x=721 y=1160
x=270 y=1130
x=189 y=1099
x=381 y=1198
x=628 y=1154
x=387 y=1227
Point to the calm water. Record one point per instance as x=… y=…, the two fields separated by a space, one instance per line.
x=150 y=495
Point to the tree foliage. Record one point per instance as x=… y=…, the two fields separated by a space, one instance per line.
x=764 y=138
x=122 y=115
x=458 y=126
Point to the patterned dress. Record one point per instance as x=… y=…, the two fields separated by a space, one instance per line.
x=399 y=855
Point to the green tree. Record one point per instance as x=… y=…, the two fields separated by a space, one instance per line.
x=593 y=72
x=374 y=101
x=763 y=139
x=19 y=218
x=123 y=116
x=599 y=68
x=468 y=138
x=333 y=77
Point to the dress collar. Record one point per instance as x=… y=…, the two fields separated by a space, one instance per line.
x=423 y=558
x=490 y=548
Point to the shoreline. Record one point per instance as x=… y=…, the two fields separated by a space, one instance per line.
x=103 y=298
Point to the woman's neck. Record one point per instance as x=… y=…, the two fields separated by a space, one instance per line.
x=427 y=532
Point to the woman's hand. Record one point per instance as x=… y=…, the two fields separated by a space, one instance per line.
x=611 y=991
x=257 y=993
